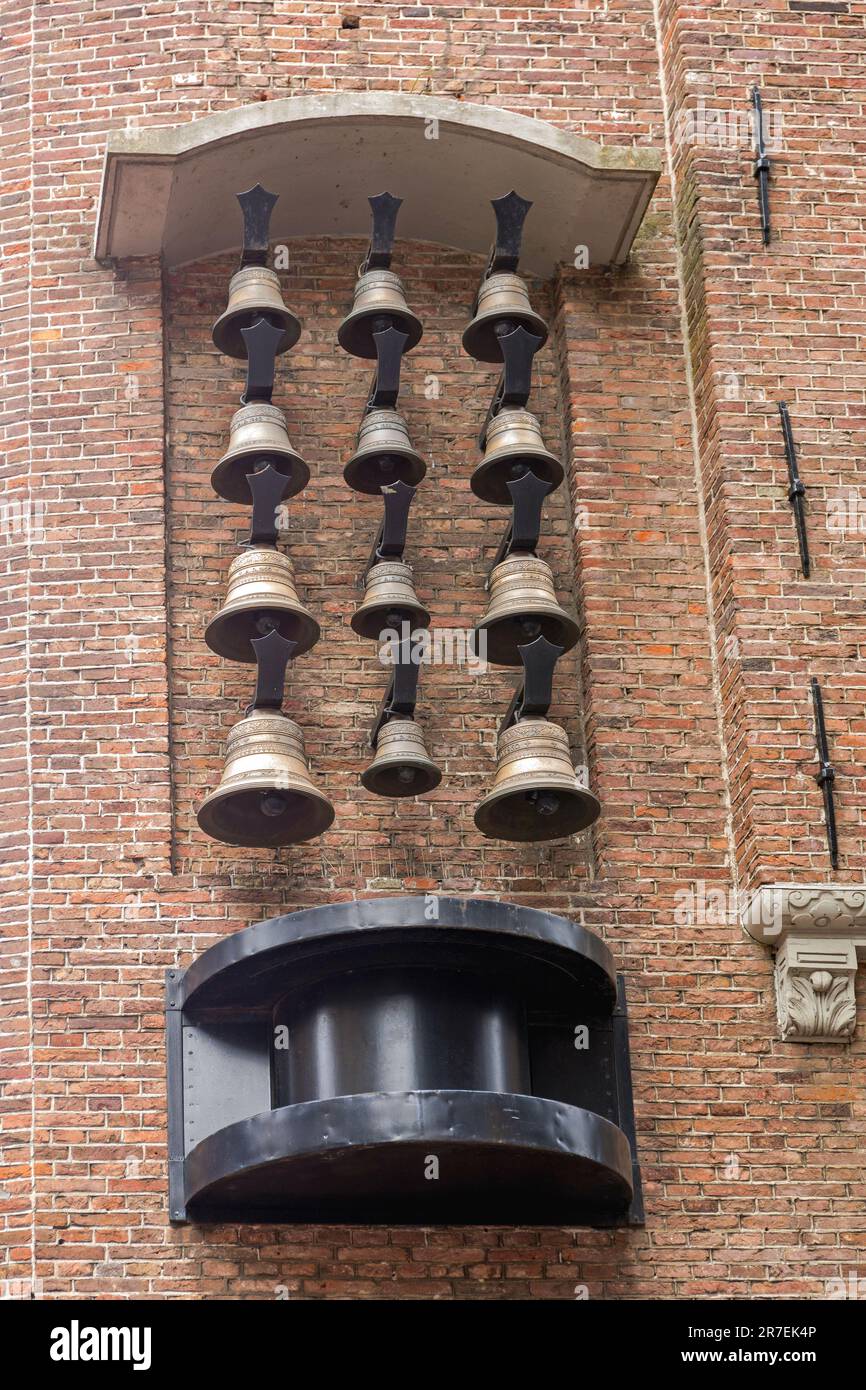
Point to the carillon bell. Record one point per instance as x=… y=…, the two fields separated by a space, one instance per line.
x=389 y=600
x=258 y=435
x=254 y=293
x=535 y=794
x=503 y=302
x=266 y=796
x=522 y=607
x=383 y=455
x=402 y=766
x=513 y=446
x=261 y=598
x=379 y=303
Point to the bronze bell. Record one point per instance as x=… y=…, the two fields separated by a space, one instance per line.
x=258 y=435
x=379 y=303
x=254 y=293
x=261 y=597
x=502 y=299
x=389 y=601
x=522 y=607
x=535 y=794
x=266 y=797
x=513 y=446
x=401 y=766
x=383 y=455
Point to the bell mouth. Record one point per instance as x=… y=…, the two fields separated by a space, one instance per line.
x=505 y=635
x=550 y=810
x=229 y=478
x=401 y=779
x=373 y=622
x=230 y=634
x=227 y=329
x=480 y=340
x=491 y=478
x=369 y=473
x=355 y=334
x=262 y=816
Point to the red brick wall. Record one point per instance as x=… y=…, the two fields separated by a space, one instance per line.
x=748 y=1145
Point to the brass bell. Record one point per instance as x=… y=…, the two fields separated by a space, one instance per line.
x=254 y=293
x=258 y=435
x=401 y=766
x=503 y=298
x=389 y=600
x=513 y=446
x=383 y=455
x=535 y=794
x=266 y=797
x=522 y=607
x=379 y=303
x=261 y=597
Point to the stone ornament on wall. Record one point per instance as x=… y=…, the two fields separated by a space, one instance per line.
x=818 y=932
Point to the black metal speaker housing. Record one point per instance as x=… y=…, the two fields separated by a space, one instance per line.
x=396 y=1060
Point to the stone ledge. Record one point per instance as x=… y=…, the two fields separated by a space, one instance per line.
x=169 y=191
x=818 y=932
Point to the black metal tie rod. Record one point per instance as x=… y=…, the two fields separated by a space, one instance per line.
x=796 y=489
x=826 y=775
x=762 y=166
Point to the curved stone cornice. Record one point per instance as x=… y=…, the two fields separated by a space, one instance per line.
x=170 y=190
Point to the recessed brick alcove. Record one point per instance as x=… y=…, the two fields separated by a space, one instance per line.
x=335 y=689
x=662 y=379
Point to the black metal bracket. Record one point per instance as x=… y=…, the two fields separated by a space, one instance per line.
x=273 y=653
x=401 y=696
x=762 y=165
x=384 y=207
x=535 y=693
x=257 y=204
x=826 y=775
x=518 y=349
x=261 y=341
x=527 y=502
x=268 y=488
x=510 y=212
x=796 y=489
x=385 y=386
x=390 y=539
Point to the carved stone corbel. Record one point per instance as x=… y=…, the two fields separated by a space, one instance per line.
x=818 y=932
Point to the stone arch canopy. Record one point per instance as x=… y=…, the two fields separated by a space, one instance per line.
x=169 y=191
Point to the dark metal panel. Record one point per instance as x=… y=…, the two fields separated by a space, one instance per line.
x=174 y=1092
x=625 y=1098
x=226 y=1076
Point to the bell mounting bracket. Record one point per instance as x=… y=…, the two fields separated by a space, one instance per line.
x=273 y=653
x=521 y=535
x=257 y=204
x=534 y=695
x=385 y=387
x=401 y=696
x=518 y=348
x=510 y=212
x=261 y=341
x=267 y=486
x=384 y=207
x=390 y=539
